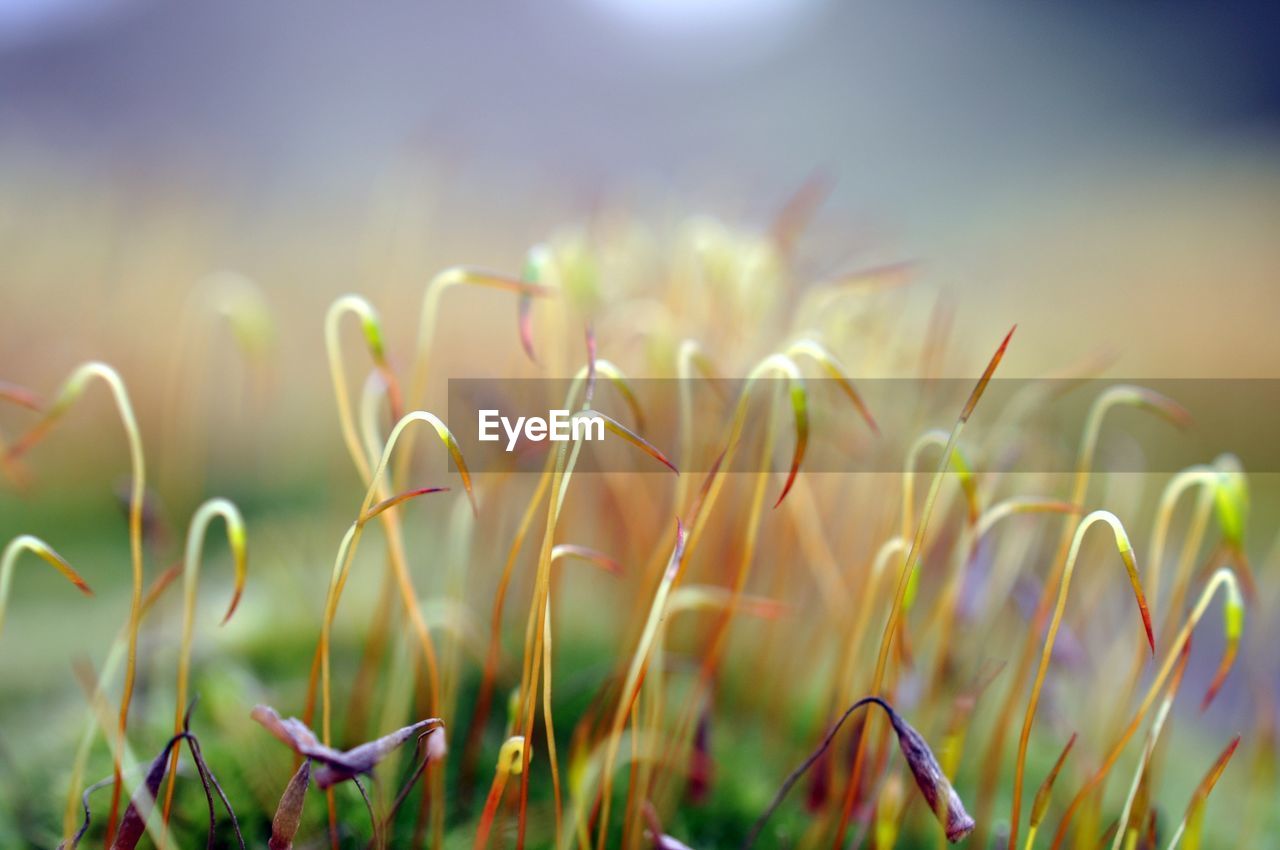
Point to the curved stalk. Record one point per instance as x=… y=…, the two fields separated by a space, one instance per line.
x=961 y=467
x=350 y=542
x=196 y=534
x=371 y=326
x=453 y=276
x=225 y=295
x=1207 y=479
x=932 y=782
x=691 y=355
x=1108 y=400
x=1126 y=555
x=342 y=563
x=511 y=759
x=714 y=646
x=1233 y=614
x=816 y=351
x=944 y=612
x=36 y=546
x=72 y=389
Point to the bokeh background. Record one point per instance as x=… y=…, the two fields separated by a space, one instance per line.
x=1105 y=175
x=1119 y=164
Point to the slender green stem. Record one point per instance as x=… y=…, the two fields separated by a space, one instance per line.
x=196 y=535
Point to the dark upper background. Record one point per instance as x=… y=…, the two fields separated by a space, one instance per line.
x=1086 y=151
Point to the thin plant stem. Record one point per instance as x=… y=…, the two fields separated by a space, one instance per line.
x=36 y=546
x=196 y=534
x=904 y=573
x=1108 y=400
x=72 y=389
x=1223 y=579
x=1125 y=550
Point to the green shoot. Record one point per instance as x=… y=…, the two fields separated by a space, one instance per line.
x=1108 y=400
x=36 y=546
x=204 y=515
x=1125 y=550
x=371 y=326
x=72 y=389
x=1224 y=579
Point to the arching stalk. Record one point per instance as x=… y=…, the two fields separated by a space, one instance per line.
x=944 y=612
x=1233 y=614
x=36 y=546
x=454 y=276
x=72 y=389
x=196 y=534
x=935 y=437
x=1107 y=400
x=690 y=356
x=1126 y=555
x=785 y=364
x=371 y=326
x=511 y=762
x=932 y=782
x=346 y=554
x=347 y=550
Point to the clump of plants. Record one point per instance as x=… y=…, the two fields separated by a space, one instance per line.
x=710 y=670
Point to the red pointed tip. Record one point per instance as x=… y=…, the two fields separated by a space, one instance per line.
x=1004 y=344
x=786 y=488
x=865 y=413
x=231 y=609
x=980 y=387
x=1219 y=677
x=665 y=461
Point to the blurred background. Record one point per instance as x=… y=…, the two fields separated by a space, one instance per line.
x=1121 y=163
x=1105 y=175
